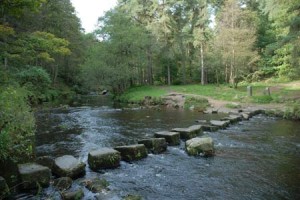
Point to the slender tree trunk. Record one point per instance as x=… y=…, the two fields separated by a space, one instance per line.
x=202 y=65
x=169 y=75
x=149 y=70
x=5 y=63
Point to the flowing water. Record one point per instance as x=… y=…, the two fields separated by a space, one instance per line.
x=255 y=159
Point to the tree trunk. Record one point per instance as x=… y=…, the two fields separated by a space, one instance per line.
x=202 y=65
x=5 y=63
x=149 y=70
x=169 y=75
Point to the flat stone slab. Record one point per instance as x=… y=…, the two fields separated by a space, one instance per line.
x=220 y=124
x=172 y=138
x=155 y=145
x=33 y=175
x=132 y=152
x=104 y=158
x=68 y=166
x=200 y=146
x=4 y=190
x=188 y=133
x=233 y=118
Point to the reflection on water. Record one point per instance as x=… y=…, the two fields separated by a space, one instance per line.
x=256 y=159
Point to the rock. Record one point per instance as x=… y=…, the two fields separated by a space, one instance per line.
x=68 y=166
x=202 y=146
x=245 y=116
x=46 y=161
x=209 y=128
x=63 y=183
x=202 y=121
x=4 y=190
x=73 y=195
x=220 y=124
x=104 y=158
x=97 y=185
x=132 y=197
x=188 y=133
x=232 y=118
x=155 y=145
x=172 y=138
x=33 y=175
x=132 y=152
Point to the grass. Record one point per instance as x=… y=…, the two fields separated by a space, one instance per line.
x=279 y=92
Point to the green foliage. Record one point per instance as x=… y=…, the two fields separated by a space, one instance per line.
x=197 y=103
x=293 y=111
x=17 y=125
x=37 y=81
x=264 y=99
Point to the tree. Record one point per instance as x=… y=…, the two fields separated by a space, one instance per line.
x=236 y=28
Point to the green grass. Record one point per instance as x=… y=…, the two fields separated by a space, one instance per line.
x=279 y=94
x=138 y=94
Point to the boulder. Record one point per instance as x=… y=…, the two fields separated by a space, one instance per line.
x=4 y=190
x=68 y=166
x=245 y=116
x=172 y=138
x=104 y=158
x=220 y=124
x=73 y=195
x=97 y=185
x=33 y=175
x=200 y=146
x=63 y=183
x=188 y=133
x=155 y=145
x=132 y=152
x=45 y=161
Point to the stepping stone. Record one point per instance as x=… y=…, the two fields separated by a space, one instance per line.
x=132 y=152
x=4 y=190
x=209 y=128
x=203 y=121
x=63 y=183
x=68 y=166
x=188 y=133
x=200 y=146
x=220 y=124
x=246 y=116
x=172 y=138
x=104 y=158
x=155 y=145
x=33 y=175
x=233 y=118
x=73 y=195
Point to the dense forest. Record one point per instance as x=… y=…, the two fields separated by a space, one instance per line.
x=46 y=55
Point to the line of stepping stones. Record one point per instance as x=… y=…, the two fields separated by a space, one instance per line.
x=33 y=175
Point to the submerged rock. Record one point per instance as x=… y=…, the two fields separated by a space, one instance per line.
x=155 y=145
x=68 y=166
x=97 y=185
x=200 y=146
x=73 y=195
x=132 y=197
x=172 y=138
x=63 y=183
x=104 y=158
x=4 y=190
x=33 y=175
x=132 y=152
x=190 y=132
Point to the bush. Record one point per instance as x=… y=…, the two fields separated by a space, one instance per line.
x=197 y=103
x=262 y=99
x=37 y=81
x=293 y=111
x=17 y=124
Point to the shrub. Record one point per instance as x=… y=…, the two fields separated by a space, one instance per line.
x=293 y=111
x=37 y=81
x=17 y=124
x=197 y=103
x=262 y=99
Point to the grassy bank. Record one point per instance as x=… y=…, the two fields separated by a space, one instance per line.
x=280 y=93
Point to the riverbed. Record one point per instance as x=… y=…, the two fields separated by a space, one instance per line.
x=255 y=159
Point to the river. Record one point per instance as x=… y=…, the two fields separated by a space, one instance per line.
x=255 y=159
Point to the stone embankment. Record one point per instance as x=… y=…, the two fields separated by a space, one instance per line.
x=67 y=168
